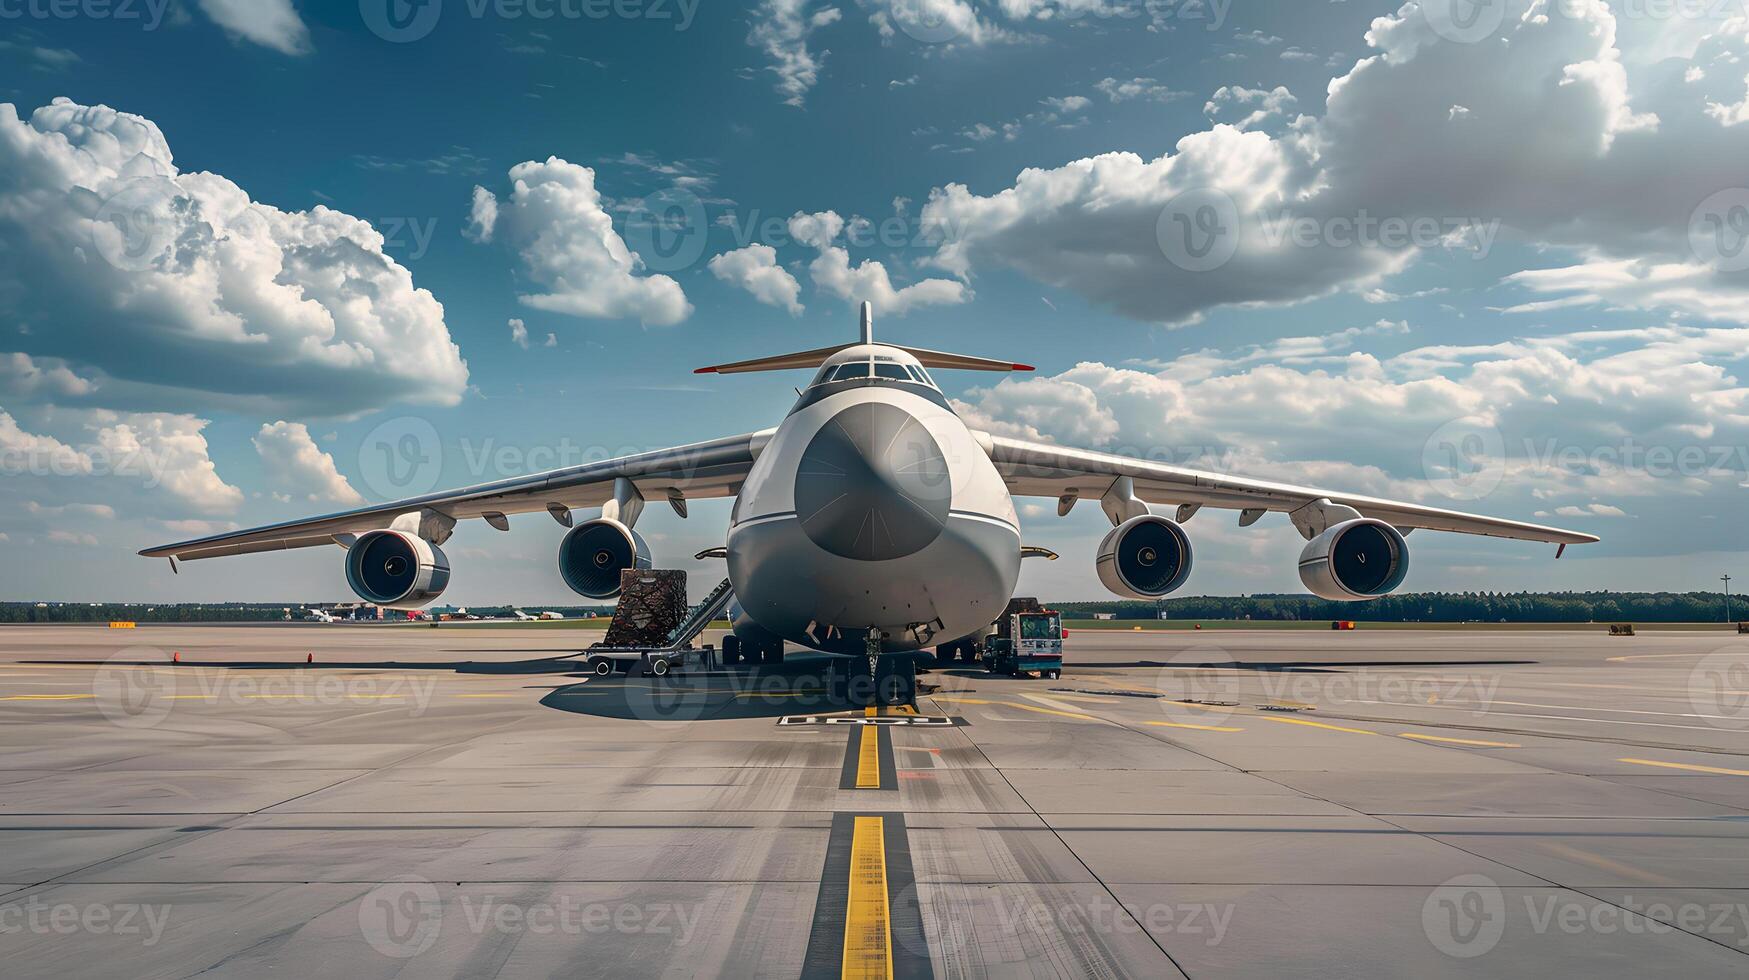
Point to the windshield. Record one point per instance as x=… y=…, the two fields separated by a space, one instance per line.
x=1038 y=627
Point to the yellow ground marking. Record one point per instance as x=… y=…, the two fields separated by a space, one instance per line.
x=871 y=711
x=868 y=933
x=1091 y=699
x=46 y=697
x=1199 y=728
x=1614 y=867
x=1319 y=724
x=868 y=760
x=1684 y=765
x=1461 y=741
x=904 y=709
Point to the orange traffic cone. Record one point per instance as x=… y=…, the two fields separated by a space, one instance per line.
x=309 y=658
x=176 y=657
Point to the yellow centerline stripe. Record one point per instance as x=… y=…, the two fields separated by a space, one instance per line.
x=1461 y=741
x=1319 y=724
x=1684 y=765
x=868 y=760
x=1199 y=728
x=868 y=934
x=46 y=697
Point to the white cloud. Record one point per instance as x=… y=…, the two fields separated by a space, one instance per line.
x=519 y=334
x=160 y=450
x=1269 y=102
x=270 y=23
x=781 y=29
x=181 y=290
x=482 y=216
x=1067 y=103
x=755 y=269
x=1566 y=141
x=295 y=465
x=869 y=281
x=1123 y=90
x=555 y=221
x=22 y=376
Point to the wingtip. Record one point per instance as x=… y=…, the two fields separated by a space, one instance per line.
x=705 y=370
x=1022 y=367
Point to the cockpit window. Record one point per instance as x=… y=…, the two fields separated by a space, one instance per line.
x=882 y=368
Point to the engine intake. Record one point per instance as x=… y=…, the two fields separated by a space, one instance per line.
x=595 y=552
x=396 y=569
x=1145 y=557
x=1354 y=560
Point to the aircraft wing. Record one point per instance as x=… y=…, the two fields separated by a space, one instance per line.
x=1038 y=470
x=700 y=470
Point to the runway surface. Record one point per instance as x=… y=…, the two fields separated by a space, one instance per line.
x=463 y=802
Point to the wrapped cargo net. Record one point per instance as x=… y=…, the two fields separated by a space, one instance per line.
x=652 y=602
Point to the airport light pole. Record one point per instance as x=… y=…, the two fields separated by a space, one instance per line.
x=1726 y=578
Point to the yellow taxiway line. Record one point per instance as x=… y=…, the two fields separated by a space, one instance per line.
x=868 y=933
x=1460 y=741
x=1684 y=765
x=868 y=760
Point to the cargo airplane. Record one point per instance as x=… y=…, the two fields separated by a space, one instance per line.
x=872 y=512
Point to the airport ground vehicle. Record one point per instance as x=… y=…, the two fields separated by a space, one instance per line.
x=1028 y=639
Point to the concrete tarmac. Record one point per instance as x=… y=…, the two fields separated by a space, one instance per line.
x=466 y=802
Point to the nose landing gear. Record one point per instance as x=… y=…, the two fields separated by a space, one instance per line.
x=876 y=679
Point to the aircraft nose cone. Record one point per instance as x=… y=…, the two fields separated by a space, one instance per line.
x=873 y=484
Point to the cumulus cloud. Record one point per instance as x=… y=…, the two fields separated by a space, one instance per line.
x=1269 y=103
x=1576 y=424
x=519 y=334
x=270 y=23
x=832 y=273
x=293 y=463
x=1568 y=136
x=180 y=289
x=755 y=269
x=555 y=221
x=22 y=376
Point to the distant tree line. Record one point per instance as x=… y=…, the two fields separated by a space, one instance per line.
x=1437 y=607
x=212 y=612
x=1415 y=607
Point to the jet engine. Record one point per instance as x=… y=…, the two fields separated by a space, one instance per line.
x=1356 y=559
x=595 y=552
x=396 y=569
x=1145 y=557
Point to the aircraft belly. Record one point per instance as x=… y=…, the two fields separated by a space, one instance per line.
x=958 y=583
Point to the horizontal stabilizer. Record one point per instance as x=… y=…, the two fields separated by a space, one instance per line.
x=814 y=358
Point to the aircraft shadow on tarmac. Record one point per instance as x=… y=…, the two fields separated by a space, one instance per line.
x=1308 y=666
x=798 y=686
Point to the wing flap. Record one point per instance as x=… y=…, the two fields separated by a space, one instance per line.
x=1037 y=470
x=706 y=469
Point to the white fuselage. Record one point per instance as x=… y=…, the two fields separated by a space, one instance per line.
x=873 y=507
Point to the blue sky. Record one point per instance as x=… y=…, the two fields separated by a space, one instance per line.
x=339 y=249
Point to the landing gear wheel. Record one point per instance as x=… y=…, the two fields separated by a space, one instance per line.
x=600 y=666
x=1051 y=675
x=731 y=650
x=774 y=655
x=657 y=667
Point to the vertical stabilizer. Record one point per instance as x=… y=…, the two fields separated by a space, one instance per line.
x=867 y=322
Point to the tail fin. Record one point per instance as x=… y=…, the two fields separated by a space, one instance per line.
x=814 y=358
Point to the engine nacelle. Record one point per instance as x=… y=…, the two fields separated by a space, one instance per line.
x=1355 y=560
x=595 y=552
x=396 y=569
x=1144 y=557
